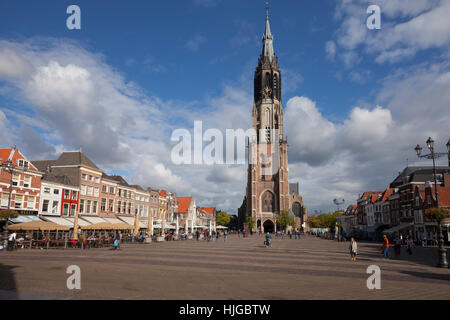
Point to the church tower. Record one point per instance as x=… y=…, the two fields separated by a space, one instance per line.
x=267 y=186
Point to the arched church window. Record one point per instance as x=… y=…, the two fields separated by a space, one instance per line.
x=269 y=201
x=268 y=82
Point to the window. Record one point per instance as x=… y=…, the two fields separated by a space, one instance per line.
x=55 y=207
x=83 y=190
x=5 y=198
x=111 y=205
x=30 y=202
x=66 y=210
x=66 y=194
x=55 y=191
x=120 y=192
x=97 y=180
x=94 y=207
x=45 y=206
x=73 y=209
x=90 y=191
x=88 y=206
x=27 y=181
x=103 y=205
x=46 y=190
x=84 y=176
x=81 y=205
x=119 y=205
x=91 y=178
x=111 y=190
x=15 y=179
x=18 y=201
x=104 y=189
x=74 y=195
x=96 y=191
x=124 y=193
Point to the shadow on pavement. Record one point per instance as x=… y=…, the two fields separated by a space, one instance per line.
x=7 y=283
x=444 y=277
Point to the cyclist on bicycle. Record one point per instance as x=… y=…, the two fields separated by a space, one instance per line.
x=268 y=239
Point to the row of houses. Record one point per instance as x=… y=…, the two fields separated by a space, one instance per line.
x=57 y=190
x=401 y=208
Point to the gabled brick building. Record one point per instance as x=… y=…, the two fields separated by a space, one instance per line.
x=26 y=183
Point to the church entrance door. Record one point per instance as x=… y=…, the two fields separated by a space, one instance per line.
x=268 y=226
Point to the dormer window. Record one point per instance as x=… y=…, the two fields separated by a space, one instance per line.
x=23 y=163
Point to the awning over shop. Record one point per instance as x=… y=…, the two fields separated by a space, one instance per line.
x=58 y=220
x=39 y=226
x=93 y=220
x=399 y=227
x=221 y=227
x=127 y=220
x=22 y=219
x=112 y=220
x=81 y=222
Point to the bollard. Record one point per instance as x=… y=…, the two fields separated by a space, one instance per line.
x=48 y=244
x=65 y=243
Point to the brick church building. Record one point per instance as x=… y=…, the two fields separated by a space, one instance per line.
x=267 y=190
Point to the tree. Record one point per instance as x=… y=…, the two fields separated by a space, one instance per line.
x=284 y=219
x=324 y=220
x=251 y=223
x=6 y=214
x=222 y=218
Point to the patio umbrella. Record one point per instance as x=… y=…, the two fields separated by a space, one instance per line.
x=38 y=226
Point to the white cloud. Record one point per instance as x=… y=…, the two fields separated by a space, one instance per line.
x=407 y=27
x=195 y=42
x=330 y=49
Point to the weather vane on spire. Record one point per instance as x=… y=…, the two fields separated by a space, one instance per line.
x=267 y=8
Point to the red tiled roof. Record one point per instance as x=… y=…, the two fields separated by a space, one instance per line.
x=183 y=204
x=5 y=153
x=387 y=193
x=444 y=196
x=207 y=210
x=162 y=193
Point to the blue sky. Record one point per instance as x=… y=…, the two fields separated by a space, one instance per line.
x=356 y=100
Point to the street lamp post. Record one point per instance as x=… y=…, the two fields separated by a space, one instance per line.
x=434 y=155
x=9 y=166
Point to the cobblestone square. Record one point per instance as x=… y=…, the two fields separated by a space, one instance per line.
x=238 y=269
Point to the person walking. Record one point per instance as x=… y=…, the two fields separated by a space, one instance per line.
x=386 y=247
x=119 y=239
x=224 y=236
x=353 y=249
x=409 y=245
x=12 y=241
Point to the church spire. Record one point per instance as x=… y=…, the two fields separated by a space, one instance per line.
x=268 y=38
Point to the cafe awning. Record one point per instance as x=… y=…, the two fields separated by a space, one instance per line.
x=22 y=219
x=81 y=222
x=38 y=226
x=92 y=220
x=399 y=227
x=112 y=220
x=58 y=220
x=128 y=220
